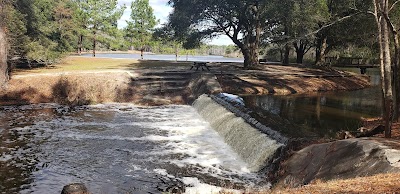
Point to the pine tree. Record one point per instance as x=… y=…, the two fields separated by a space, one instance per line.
x=102 y=16
x=141 y=23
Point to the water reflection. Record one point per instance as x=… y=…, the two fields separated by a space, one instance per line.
x=324 y=113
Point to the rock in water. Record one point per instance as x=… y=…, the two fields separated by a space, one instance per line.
x=75 y=188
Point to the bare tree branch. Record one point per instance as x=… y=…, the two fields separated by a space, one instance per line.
x=394 y=5
x=327 y=26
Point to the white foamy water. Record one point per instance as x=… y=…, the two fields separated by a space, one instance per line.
x=253 y=146
x=116 y=148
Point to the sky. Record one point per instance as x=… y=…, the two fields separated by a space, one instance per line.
x=161 y=11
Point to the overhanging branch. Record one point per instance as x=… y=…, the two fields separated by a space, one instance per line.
x=394 y=5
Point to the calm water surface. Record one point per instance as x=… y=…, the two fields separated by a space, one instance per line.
x=115 y=148
x=206 y=58
x=325 y=113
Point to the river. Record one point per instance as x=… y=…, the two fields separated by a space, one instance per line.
x=115 y=148
x=325 y=113
x=205 y=58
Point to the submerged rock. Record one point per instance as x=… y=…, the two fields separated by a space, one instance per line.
x=341 y=160
x=75 y=188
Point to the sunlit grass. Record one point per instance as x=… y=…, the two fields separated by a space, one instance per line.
x=382 y=183
x=71 y=64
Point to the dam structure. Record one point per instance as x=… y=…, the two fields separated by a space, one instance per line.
x=122 y=147
x=259 y=146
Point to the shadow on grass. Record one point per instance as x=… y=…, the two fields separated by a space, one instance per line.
x=21 y=97
x=235 y=84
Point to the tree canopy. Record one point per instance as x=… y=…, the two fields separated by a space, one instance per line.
x=141 y=23
x=101 y=17
x=241 y=20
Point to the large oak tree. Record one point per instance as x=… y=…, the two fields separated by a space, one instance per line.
x=241 y=20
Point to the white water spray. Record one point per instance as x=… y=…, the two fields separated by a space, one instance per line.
x=253 y=146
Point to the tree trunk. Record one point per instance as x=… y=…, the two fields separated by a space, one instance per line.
x=176 y=52
x=286 y=54
x=321 y=49
x=396 y=74
x=250 y=57
x=382 y=9
x=80 y=43
x=3 y=57
x=94 y=43
x=300 y=57
x=252 y=41
x=141 y=53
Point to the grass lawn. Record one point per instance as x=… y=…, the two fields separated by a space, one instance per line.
x=72 y=63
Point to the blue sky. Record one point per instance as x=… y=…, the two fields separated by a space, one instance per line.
x=161 y=11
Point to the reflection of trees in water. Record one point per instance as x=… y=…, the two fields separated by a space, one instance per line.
x=325 y=113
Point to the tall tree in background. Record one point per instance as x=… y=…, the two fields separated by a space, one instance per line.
x=241 y=20
x=141 y=23
x=102 y=16
x=344 y=25
x=307 y=16
x=280 y=15
x=166 y=34
x=81 y=20
x=3 y=44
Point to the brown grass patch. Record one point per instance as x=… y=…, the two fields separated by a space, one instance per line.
x=383 y=183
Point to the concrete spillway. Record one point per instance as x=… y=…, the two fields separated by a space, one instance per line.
x=256 y=148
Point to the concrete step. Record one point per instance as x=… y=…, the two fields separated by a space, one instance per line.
x=156 y=90
x=166 y=78
x=169 y=74
x=156 y=83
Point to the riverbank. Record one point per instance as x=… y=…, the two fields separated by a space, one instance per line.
x=85 y=80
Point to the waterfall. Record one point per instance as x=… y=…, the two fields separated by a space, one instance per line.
x=257 y=149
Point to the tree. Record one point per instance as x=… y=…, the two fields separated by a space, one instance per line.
x=102 y=16
x=345 y=24
x=280 y=15
x=3 y=44
x=81 y=20
x=141 y=23
x=307 y=16
x=292 y=23
x=392 y=18
x=40 y=30
x=241 y=20
x=385 y=25
x=167 y=35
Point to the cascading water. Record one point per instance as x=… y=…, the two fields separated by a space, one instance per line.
x=122 y=148
x=254 y=147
